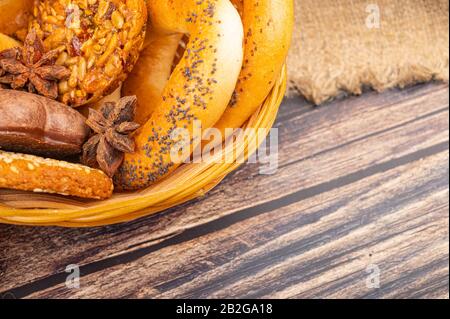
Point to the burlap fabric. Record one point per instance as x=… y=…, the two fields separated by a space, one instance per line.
x=346 y=45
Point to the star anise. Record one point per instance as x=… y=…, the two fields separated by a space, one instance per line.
x=29 y=67
x=112 y=126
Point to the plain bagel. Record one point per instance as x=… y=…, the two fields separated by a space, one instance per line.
x=268 y=26
x=151 y=72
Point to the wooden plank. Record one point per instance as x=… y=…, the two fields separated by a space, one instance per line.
x=335 y=141
x=318 y=247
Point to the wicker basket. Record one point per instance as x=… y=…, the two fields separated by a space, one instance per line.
x=188 y=182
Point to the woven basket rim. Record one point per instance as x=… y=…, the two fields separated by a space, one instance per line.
x=186 y=183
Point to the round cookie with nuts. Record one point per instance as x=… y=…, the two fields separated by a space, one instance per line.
x=98 y=40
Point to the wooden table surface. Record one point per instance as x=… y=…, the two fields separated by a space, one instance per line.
x=362 y=190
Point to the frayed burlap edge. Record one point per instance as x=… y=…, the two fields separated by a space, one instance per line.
x=342 y=47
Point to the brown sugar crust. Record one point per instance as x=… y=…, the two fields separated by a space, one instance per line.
x=33 y=124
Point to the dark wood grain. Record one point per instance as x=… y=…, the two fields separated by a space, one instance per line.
x=361 y=181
